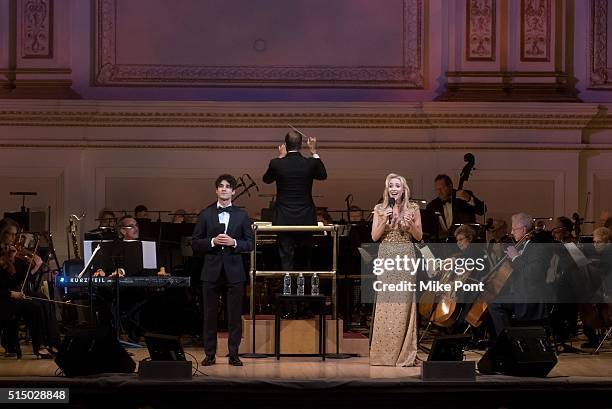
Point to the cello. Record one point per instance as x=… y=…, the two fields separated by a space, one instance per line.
x=494 y=283
x=442 y=309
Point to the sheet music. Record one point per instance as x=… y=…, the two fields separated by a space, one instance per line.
x=89 y=246
x=149 y=252
x=576 y=254
x=428 y=255
x=149 y=255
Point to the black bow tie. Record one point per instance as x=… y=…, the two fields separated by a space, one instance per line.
x=224 y=209
x=445 y=201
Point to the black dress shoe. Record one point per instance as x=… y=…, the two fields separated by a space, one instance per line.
x=235 y=361
x=44 y=355
x=209 y=360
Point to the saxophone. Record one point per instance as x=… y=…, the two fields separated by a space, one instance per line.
x=73 y=231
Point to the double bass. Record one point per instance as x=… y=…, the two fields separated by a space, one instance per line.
x=442 y=309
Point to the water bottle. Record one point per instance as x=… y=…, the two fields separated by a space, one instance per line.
x=314 y=289
x=300 y=284
x=287 y=284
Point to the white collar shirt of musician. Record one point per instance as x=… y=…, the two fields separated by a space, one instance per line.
x=448 y=212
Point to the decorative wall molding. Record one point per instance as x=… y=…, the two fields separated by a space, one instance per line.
x=535 y=30
x=480 y=30
x=36 y=17
x=424 y=115
x=598 y=45
x=109 y=72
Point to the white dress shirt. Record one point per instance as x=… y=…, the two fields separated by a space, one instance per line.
x=224 y=218
x=316 y=155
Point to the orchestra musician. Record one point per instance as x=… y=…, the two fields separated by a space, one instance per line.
x=453 y=206
x=523 y=296
x=117 y=262
x=566 y=279
x=498 y=240
x=562 y=230
x=223 y=232
x=294 y=175
x=106 y=226
x=468 y=250
x=141 y=212
x=596 y=312
x=179 y=216
x=107 y=218
x=14 y=302
x=127 y=229
x=465 y=236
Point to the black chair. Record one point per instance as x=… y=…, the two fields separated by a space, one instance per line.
x=9 y=333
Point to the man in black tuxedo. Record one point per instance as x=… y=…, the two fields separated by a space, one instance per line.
x=221 y=234
x=526 y=295
x=453 y=206
x=294 y=174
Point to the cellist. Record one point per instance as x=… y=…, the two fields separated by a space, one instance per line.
x=523 y=297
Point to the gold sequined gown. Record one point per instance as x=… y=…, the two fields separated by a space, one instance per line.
x=394 y=330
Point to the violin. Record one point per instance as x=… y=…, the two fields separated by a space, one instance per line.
x=24 y=254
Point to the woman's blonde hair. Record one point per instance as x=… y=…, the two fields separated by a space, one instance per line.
x=404 y=199
x=467 y=231
x=603 y=233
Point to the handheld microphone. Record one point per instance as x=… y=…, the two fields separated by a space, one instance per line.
x=391 y=204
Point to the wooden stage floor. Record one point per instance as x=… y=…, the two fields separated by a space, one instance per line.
x=578 y=380
x=569 y=365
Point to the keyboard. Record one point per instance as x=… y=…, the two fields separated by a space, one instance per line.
x=146 y=282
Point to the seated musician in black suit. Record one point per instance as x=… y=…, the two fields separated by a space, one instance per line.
x=222 y=233
x=120 y=260
x=127 y=230
x=524 y=296
x=453 y=206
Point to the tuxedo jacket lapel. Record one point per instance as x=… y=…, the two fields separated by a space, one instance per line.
x=233 y=222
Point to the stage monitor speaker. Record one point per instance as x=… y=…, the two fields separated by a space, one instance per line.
x=164 y=347
x=445 y=361
x=520 y=351
x=448 y=348
x=167 y=359
x=89 y=352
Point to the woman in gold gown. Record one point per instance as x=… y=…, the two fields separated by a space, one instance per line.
x=394 y=329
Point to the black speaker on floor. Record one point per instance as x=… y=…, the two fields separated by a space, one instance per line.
x=89 y=351
x=164 y=347
x=448 y=348
x=520 y=351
